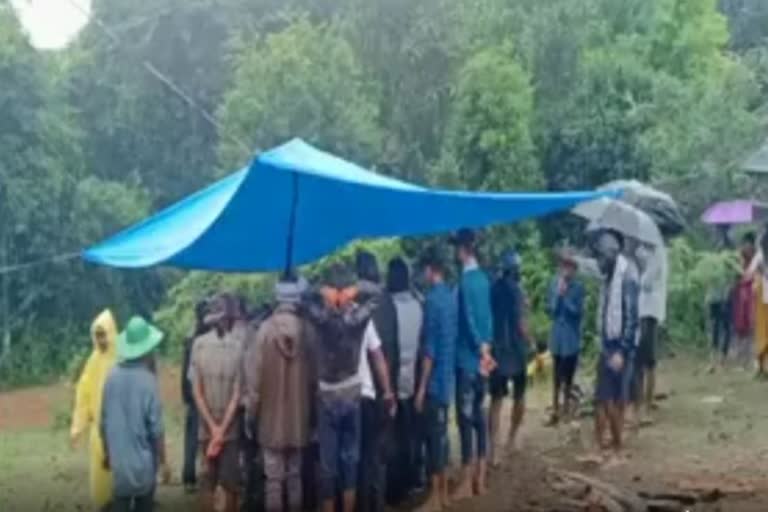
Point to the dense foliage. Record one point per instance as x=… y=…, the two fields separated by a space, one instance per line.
x=480 y=94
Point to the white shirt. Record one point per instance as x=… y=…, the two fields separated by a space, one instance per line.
x=371 y=343
x=653 y=285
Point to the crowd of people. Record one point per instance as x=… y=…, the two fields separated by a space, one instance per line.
x=737 y=300
x=338 y=396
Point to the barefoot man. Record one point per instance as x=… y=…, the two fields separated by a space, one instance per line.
x=511 y=341
x=474 y=363
x=433 y=396
x=618 y=322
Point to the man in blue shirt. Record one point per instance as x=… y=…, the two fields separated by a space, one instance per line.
x=132 y=420
x=433 y=396
x=565 y=307
x=474 y=364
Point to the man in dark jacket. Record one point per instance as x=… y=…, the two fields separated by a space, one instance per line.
x=510 y=350
x=192 y=417
x=375 y=426
x=342 y=316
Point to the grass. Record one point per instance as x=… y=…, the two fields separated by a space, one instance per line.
x=695 y=434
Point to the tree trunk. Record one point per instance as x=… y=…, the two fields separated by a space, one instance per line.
x=4 y=299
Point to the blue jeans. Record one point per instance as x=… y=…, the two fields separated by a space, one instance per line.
x=339 y=435
x=470 y=394
x=436 y=429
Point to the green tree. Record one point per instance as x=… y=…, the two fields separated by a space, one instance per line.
x=490 y=130
x=302 y=82
x=138 y=127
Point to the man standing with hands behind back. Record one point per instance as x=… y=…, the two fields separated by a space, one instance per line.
x=215 y=371
x=473 y=364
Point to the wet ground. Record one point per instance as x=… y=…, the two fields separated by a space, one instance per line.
x=711 y=429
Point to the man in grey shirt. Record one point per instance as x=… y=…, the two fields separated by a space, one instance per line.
x=132 y=420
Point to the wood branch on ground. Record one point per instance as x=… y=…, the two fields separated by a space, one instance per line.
x=630 y=501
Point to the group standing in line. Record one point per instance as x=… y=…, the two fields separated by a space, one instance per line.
x=339 y=396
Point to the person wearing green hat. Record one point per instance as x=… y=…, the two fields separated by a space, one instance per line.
x=132 y=420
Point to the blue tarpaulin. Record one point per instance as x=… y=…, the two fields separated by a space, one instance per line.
x=295 y=204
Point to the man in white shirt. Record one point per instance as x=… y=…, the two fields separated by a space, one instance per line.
x=652 y=309
x=372 y=469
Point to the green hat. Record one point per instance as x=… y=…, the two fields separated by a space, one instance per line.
x=138 y=339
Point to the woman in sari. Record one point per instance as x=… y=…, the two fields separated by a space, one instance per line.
x=87 y=413
x=744 y=304
x=761 y=306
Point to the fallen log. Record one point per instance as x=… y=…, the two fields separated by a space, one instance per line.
x=630 y=501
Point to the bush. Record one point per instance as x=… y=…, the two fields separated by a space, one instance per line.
x=35 y=360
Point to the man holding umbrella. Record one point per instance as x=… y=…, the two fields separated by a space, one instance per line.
x=653 y=311
x=618 y=323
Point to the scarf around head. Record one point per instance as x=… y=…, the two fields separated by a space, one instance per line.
x=609 y=315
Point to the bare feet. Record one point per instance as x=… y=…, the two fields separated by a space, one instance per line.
x=479 y=488
x=480 y=485
x=463 y=491
x=614 y=460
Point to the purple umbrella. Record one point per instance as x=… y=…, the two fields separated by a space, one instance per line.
x=740 y=211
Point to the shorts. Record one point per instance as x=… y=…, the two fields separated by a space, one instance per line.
x=436 y=433
x=646 y=350
x=565 y=369
x=499 y=386
x=613 y=386
x=339 y=436
x=224 y=470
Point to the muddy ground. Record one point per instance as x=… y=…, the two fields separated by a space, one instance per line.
x=711 y=428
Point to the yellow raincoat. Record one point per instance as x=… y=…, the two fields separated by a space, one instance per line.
x=87 y=413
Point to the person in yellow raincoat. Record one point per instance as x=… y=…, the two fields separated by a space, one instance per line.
x=87 y=413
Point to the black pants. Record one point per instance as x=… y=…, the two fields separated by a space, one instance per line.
x=134 y=504
x=253 y=492
x=405 y=465
x=191 y=445
x=372 y=473
x=720 y=315
x=310 y=476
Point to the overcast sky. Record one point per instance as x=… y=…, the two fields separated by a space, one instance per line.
x=51 y=23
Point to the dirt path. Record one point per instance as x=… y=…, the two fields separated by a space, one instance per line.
x=711 y=427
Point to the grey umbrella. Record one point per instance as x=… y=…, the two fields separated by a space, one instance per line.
x=660 y=206
x=622 y=217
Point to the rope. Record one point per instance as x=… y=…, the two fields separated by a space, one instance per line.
x=162 y=78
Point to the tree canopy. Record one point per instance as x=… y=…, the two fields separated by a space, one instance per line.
x=153 y=100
